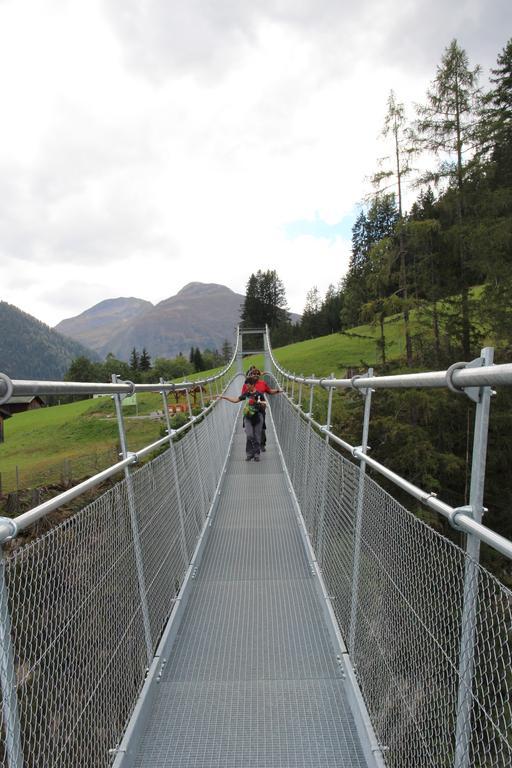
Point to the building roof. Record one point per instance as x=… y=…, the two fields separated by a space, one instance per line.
x=23 y=399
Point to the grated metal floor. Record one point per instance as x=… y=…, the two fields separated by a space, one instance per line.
x=252 y=681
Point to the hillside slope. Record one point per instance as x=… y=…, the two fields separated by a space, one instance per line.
x=97 y=325
x=200 y=315
x=30 y=349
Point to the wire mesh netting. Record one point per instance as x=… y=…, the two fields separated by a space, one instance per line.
x=436 y=677
x=83 y=603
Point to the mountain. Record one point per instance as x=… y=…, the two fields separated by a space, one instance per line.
x=200 y=315
x=97 y=325
x=30 y=349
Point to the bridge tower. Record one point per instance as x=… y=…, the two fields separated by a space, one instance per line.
x=252 y=341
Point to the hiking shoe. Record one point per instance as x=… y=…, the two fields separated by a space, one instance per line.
x=248 y=458
x=256 y=458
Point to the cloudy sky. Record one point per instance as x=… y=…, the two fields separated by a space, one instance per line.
x=145 y=144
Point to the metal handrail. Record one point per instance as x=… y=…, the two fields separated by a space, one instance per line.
x=455 y=378
x=10 y=527
x=458 y=517
x=19 y=387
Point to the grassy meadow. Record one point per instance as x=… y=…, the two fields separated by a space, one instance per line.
x=68 y=442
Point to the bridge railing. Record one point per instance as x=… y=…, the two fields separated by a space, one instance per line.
x=427 y=628
x=83 y=606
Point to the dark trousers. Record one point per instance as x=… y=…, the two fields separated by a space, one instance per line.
x=253 y=432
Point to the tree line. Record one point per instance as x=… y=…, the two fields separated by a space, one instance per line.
x=444 y=266
x=141 y=369
x=442 y=271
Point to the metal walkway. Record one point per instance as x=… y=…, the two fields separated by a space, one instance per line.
x=253 y=679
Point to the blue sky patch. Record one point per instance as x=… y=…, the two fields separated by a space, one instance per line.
x=321 y=229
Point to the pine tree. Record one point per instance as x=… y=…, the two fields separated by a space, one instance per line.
x=395 y=125
x=145 y=360
x=371 y=227
x=134 y=360
x=198 y=360
x=496 y=122
x=446 y=126
x=227 y=351
x=265 y=301
x=310 y=323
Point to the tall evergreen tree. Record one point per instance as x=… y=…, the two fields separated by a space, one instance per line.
x=198 y=360
x=395 y=125
x=496 y=123
x=134 y=360
x=310 y=323
x=369 y=228
x=145 y=360
x=227 y=351
x=265 y=301
x=446 y=126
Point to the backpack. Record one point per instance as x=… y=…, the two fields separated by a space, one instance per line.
x=251 y=410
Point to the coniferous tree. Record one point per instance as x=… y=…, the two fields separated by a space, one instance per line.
x=198 y=360
x=496 y=123
x=134 y=360
x=265 y=301
x=379 y=222
x=310 y=323
x=395 y=125
x=252 y=309
x=145 y=360
x=227 y=351
x=446 y=126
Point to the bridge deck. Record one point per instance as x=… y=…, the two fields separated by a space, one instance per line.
x=252 y=680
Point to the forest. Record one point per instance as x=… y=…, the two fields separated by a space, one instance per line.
x=442 y=270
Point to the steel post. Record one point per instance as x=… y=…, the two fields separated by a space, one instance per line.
x=139 y=561
x=367 y=394
x=198 y=463
x=300 y=468
x=320 y=553
x=206 y=422
x=215 y=418
x=462 y=758
x=307 y=459
x=172 y=449
x=11 y=722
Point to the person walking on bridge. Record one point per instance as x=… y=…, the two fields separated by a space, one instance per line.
x=253 y=410
x=262 y=387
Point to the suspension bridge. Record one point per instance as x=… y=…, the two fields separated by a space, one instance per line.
x=210 y=612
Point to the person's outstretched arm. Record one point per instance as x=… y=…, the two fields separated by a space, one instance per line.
x=226 y=397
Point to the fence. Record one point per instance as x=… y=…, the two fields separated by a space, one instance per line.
x=427 y=628
x=82 y=607
x=429 y=632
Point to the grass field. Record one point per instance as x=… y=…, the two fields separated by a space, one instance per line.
x=340 y=351
x=77 y=438
x=71 y=441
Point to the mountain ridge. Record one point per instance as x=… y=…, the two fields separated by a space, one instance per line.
x=30 y=349
x=202 y=315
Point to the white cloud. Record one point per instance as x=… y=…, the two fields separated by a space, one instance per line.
x=144 y=145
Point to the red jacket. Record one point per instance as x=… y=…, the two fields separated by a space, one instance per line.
x=260 y=386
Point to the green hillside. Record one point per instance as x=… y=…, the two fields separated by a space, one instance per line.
x=81 y=438
x=73 y=440
x=30 y=349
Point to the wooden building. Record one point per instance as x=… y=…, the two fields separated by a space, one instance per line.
x=20 y=404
